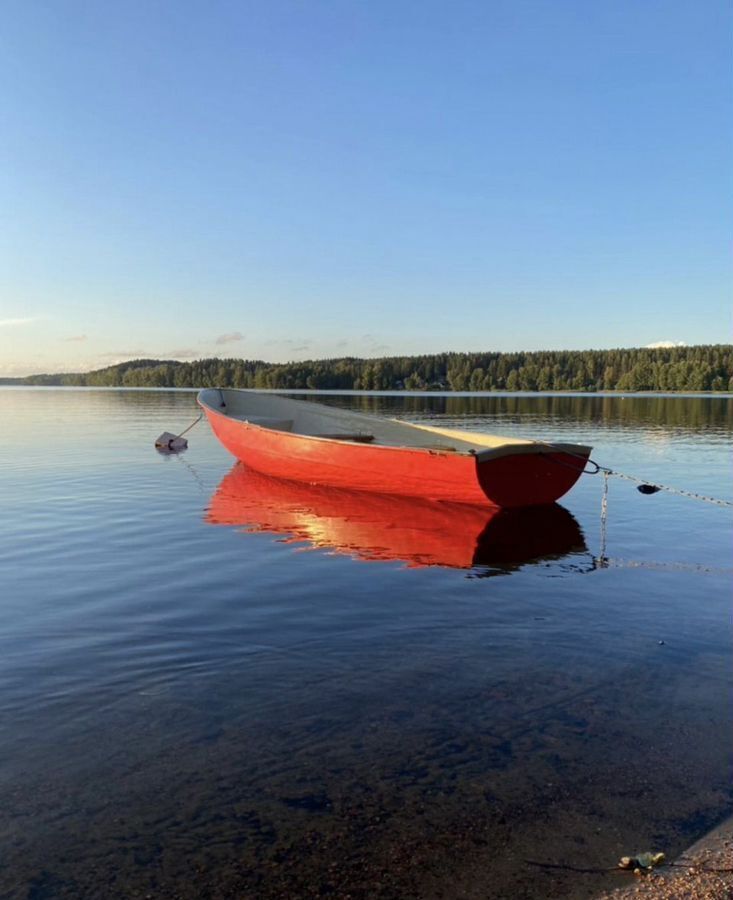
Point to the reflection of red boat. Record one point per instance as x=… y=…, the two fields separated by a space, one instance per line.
x=321 y=444
x=383 y=527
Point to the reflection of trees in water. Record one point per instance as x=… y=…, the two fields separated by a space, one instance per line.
x=671 y=412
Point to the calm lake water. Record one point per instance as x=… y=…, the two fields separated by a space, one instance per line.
x=197 y=702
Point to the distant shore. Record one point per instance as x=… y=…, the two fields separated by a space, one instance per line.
x=696 y=369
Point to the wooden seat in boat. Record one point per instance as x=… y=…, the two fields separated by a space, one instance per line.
x=359 y=438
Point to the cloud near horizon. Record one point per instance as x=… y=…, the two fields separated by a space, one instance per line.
x=183 y=353
x=664 y=345
x=230 y=338
x=126 y=354
x=25 y=320
x=75 y=338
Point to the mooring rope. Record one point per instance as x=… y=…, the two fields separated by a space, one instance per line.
x=195 y=422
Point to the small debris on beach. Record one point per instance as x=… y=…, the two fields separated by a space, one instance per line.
x=641 y=862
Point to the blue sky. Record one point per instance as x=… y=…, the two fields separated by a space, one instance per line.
x=288 y=180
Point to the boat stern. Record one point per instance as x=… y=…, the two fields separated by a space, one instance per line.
x=531 y=478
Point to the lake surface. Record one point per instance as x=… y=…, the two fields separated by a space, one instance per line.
x=215 y=687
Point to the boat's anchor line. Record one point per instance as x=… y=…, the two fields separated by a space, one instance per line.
x=643 y=486
x=202 y=486
x=604 y=519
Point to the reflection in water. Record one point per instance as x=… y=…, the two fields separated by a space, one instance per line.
x=189 y=713
x=382 y=527
x=663 y=412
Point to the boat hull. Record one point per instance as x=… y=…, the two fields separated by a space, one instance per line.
x=513 y=480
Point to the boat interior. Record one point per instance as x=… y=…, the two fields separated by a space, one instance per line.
x=313 y=419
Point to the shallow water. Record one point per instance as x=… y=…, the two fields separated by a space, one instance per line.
x=197 y=703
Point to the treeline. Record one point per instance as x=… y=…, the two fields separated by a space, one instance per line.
x=699 y=368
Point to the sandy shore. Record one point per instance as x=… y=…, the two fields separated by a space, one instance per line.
x=704 y=872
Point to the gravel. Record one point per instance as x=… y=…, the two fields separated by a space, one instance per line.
x=704 y=872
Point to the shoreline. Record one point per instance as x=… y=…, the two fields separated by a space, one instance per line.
x=702 y=872
x=353 y=392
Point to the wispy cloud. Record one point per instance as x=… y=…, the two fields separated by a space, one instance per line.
x=181 y=353
x=230 y=338
x=289 y=342
x=371 y=345
x=19 y=370
x=76 y=338
x=296 y=345
x=663 y=345
x=119 y=355
x=25 y=320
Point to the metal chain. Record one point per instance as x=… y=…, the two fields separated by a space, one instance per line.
x=663 y=487
x=603 y=559
x=639 y=481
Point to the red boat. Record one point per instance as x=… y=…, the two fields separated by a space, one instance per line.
x=320 y=444
x=381 y=527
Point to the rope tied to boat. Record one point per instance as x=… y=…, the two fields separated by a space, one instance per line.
x=195 y=422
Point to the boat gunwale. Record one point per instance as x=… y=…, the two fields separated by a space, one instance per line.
x=512 y=447
x=434 y=451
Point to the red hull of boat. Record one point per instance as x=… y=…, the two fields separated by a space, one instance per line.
x=521 y=479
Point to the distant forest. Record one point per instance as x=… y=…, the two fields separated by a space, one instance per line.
x=700 y=368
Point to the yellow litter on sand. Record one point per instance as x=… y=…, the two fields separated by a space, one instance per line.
x=641 y=862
